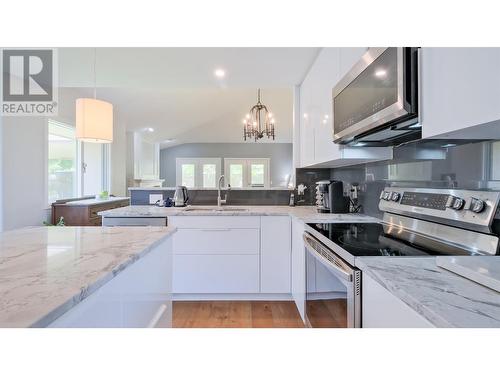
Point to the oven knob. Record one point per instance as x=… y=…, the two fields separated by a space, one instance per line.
x=387 y=195
x=455 y=203
x=477 y=205
x=395 y=196
x=458 y=203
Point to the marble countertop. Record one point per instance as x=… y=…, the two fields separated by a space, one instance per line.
x=484 y=270
x=440 y=296
x=93 y=201
x=304 y=213
x=45 y=271
x=163 y=188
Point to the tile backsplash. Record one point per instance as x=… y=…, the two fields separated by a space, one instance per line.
x=309 y=177
x=209 y=197
x=467 y=166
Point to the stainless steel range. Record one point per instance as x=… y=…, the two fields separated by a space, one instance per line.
x=416 y=222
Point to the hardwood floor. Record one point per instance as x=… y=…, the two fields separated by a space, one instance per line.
x=236 y=314
x=327 y=313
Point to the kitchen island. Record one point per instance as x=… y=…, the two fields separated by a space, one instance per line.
x=49 y=273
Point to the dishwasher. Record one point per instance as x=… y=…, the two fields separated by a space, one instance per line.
x=134 y=221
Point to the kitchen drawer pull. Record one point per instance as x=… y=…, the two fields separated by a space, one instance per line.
x=157 y=317
x=217 y=230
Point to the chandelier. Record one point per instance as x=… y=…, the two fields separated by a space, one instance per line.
x=258 y=122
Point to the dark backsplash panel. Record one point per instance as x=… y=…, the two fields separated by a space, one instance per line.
x=309 y=177
x=209 y=197
x=466 y=166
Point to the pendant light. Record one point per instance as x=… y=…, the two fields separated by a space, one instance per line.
x=94 y=118
x=258 y=122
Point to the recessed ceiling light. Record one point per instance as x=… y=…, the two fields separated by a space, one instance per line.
x=170 y=140
x=149 y=130
x=220 y=73
x=380 y=73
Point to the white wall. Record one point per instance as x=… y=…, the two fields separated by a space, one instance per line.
x=23 y=171
x=1 y=175
x=281 y=155
x=23 y=145
x=118 y=158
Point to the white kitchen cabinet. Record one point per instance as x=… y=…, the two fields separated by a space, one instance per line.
x=275 y=257
x=216 y=254
x=216 y=274
x=381 y=309
x=307 y=132
x=298 y=267
x=247 y=257
x=315 y=140
x=460 y=88
x=139 y=296
x=134 y=221
x=217 y=241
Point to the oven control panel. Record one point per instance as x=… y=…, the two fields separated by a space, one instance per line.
x=427 y=200
x=468 y=206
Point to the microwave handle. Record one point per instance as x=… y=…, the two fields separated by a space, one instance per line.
x=347 y=276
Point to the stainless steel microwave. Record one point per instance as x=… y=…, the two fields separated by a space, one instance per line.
x=376 y=102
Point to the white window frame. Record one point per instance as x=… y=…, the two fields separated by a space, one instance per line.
x=198 y=170
x=247 y=171
x=79 y=157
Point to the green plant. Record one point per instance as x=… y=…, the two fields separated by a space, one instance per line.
x=60 y=223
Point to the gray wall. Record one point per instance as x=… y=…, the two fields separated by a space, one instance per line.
x=466 y=166
x=281 y=155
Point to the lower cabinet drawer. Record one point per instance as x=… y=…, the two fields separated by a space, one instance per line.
x=217 y=241
x=216 y=274
x=134 y=221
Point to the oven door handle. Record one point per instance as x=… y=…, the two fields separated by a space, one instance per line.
x=332 y=266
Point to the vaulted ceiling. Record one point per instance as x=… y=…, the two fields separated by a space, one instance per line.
x=175 y=91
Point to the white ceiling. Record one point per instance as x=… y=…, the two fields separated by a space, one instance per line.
x=174 y=90
x=168 y=68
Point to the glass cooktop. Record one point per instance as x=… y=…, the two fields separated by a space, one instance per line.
x=380 y=239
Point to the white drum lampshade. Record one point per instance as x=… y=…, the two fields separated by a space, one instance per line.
x=94 y=120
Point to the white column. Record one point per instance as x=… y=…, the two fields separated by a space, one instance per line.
x=1 y=174
x=296 y=127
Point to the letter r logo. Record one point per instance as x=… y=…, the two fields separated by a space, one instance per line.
x=27 y=75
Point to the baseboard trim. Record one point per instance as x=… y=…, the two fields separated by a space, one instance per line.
x=232 y=297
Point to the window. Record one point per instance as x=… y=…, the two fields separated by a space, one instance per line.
x=236 y=175
x=243 y=173
x=209 y=175
x=62 y=162
x=74 y=169
x=198 y=172
x=188 y=171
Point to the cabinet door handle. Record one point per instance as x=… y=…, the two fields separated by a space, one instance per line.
x=153 y=323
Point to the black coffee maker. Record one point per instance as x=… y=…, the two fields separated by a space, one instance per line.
x=330 y=197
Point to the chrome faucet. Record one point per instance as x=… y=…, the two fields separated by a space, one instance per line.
x=221 y=201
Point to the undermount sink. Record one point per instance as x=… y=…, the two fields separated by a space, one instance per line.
x=231 y=209
x=215 y=209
